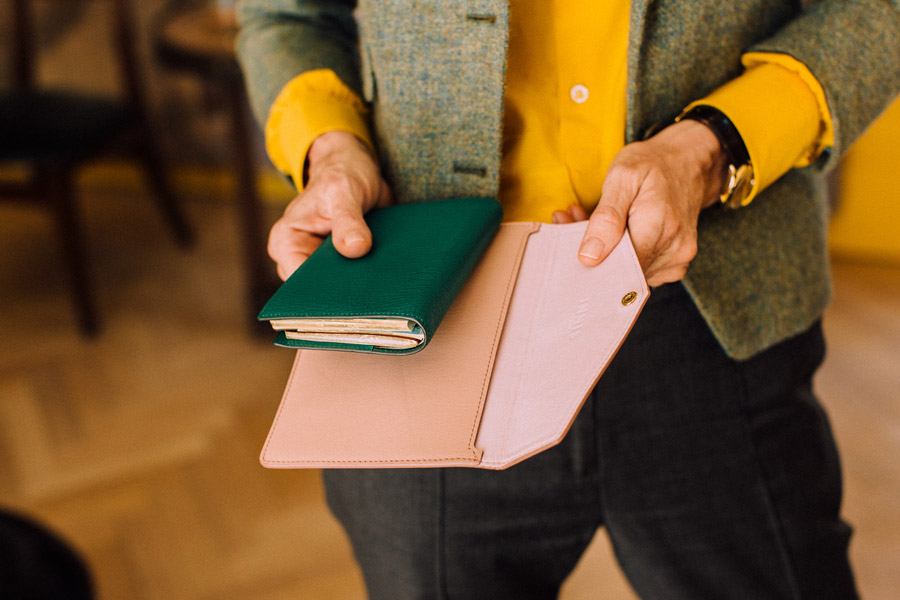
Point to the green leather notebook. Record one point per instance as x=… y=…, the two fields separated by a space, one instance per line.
x=392 y=299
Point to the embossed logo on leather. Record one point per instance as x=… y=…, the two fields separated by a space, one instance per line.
x=576 y=323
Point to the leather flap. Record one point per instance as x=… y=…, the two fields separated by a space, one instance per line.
x=564 y=325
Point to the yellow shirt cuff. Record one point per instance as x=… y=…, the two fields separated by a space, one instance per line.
x=779 y=108
x=310 y=104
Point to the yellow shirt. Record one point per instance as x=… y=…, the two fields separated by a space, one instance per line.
x=564 y=104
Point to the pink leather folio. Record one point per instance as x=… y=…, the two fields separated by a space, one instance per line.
x=503 y=378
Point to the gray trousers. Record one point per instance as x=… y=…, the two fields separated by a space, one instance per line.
x=714 y=479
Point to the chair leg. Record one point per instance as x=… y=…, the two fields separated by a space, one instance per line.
x=165 y=198
x=61 y=194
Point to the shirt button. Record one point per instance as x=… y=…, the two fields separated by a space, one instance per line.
x=579 y=94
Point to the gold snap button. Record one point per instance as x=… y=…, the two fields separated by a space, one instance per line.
x=629 y=298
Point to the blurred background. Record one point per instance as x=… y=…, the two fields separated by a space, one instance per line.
x=135 y=387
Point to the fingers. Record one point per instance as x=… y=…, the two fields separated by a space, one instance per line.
x=344 y=183
x=286 y=267
x=572 y=214
x=605 y=229
x=577 y=212
x=289 y=248
x=607 y=223
x=385 y=195
x=309 y=218
x=667 y=275
x=657 y=188
x=561 y=217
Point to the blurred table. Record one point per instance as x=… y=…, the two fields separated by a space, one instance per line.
x=201 y=41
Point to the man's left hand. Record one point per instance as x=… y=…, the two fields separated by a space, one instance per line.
x=657 y=188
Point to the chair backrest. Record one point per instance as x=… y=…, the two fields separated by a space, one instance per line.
x=22 y=42
x=24 y=48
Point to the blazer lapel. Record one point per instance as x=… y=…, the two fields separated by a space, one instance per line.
x=636 y=67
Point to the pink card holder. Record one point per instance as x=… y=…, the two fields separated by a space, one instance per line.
x=503 y=378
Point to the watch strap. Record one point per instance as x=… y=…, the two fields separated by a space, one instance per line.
x=740 y=178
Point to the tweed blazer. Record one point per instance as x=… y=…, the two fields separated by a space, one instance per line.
x=433 y=72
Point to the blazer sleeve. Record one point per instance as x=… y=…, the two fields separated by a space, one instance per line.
x=852 y=47
x=280 y=39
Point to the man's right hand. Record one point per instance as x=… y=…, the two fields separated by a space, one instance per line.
x=344 y=183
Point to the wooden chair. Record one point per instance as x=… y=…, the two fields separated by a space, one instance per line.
x=54 y=132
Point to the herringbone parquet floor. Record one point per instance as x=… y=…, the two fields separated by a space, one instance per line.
x=141 y=446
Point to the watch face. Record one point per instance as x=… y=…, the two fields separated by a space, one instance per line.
x=740 y=185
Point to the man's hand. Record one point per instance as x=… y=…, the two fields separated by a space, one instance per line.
x=656 y=187
x=344 y=183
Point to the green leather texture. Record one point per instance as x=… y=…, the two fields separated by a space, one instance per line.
x=422 y=254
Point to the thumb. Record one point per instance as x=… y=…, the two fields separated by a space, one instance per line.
x=606 y=225
x=349 y=232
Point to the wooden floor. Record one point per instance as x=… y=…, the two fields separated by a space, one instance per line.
x=141 y=446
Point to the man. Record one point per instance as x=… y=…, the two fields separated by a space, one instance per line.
x=702 y=450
